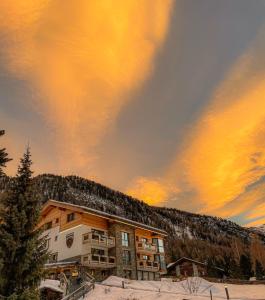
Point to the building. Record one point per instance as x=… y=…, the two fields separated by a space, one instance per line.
x=101 y=243
x=187 y=267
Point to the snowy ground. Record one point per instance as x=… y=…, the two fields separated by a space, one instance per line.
x=111 y=289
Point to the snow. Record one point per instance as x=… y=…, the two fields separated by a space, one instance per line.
x=51 y=284
x=111 y=289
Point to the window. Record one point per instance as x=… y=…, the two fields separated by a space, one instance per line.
x=85 y=258
x=126 y=257
x=48 y=226
x=162 y=263
x=159 y=244
x=125 y=239
x=57 y=220
x=95 y=251
x=85 y=237
x=54 y=257
x=144 y=240
x=98 y=234
x=146 y=257
x=70 y=217
x=56 y=238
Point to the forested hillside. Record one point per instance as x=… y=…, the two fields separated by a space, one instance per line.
x=189 y=234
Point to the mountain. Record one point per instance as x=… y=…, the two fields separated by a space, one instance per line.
x=189 y=234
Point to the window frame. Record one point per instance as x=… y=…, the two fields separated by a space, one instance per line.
x=125 y=241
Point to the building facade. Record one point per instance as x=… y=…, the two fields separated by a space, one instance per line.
x=101 y=243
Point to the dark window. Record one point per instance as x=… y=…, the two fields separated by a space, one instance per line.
x=96 y=251
x=56 y=238
x=54 y=257
x=57 y=220
x=126 y=257
x=70 y=217
x=48 y=225
x=125 y=239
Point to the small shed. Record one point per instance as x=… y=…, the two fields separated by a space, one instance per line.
x=188 y=267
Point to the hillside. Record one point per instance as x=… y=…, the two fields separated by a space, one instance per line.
x=190 y=234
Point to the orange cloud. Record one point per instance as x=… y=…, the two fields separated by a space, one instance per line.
x=224 y=152
x=82 y=58
x=151 y=191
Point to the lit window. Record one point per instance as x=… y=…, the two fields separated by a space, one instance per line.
x=70 y=217
x=125 y=239
x=160 y=246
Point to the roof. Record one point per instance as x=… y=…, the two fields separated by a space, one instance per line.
x=85 y=209
x=180 y=260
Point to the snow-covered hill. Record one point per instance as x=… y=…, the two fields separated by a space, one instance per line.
x=189 y=234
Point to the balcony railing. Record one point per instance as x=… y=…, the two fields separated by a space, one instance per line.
x=142 y=246
x=148 y=265
x=99 y=239
x=97 y=260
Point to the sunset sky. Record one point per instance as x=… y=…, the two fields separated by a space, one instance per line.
x=161 y=99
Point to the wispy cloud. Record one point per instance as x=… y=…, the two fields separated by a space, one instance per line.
x=81 y=59
x=224 y=153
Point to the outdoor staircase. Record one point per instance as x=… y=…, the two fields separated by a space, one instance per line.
x=74 y=290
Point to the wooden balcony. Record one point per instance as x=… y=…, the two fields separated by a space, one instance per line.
x=98 y=261
x=147 y=265
x=146 y=247
x=98 y=240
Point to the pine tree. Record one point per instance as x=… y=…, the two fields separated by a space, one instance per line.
x=23 y=250
x=246 y=266
x=3 y=155
x=259 y=271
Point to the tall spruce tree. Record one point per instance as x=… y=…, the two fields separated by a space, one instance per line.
x=23 y=250
x=259 y=270
x=3 y=155
x=246 y=266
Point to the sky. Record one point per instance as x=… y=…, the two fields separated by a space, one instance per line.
x=160 y=99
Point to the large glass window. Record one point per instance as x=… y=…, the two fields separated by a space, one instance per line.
x=159 y=244
x=126 y=257
x=125 y=239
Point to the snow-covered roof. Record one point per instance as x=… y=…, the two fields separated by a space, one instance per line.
x=51 y=285
x=191 y=260
x=106 y=215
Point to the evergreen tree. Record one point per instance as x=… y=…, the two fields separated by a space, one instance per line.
x=23 y=250
x=246 y=266
x=3 y=155
x=259 y=271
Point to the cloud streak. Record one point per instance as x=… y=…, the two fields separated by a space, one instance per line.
x=224 y=151
x=82 y=59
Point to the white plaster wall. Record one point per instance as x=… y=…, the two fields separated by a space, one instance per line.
x=77 y=248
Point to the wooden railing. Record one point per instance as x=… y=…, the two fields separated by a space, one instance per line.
x=99 y=239
x=148 y=265
x=146 y=247
x=98 y=260
x=80 y=292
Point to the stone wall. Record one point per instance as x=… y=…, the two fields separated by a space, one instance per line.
x=123 y=270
